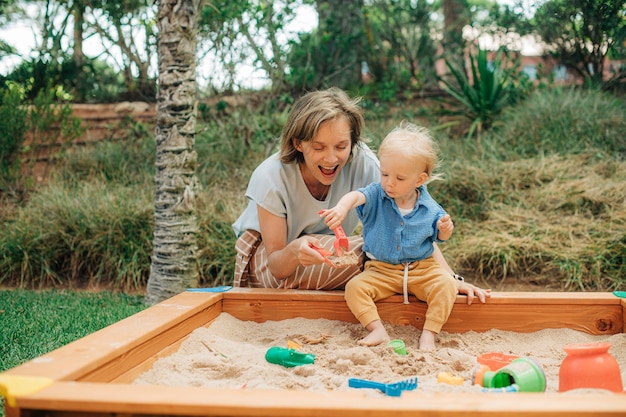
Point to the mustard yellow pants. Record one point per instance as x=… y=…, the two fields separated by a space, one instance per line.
x=427 y=280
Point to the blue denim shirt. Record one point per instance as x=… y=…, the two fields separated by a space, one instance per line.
x=390 y=237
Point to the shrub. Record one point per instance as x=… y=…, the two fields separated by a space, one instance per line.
x=94 y=233
x=491 y=88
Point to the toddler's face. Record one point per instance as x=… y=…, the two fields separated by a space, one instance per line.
x=399 y=175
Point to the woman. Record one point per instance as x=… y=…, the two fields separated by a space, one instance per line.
x=321 y=158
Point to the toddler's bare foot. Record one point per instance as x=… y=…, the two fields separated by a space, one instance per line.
x=375 y=338
x=377 y=335
x=427 y=340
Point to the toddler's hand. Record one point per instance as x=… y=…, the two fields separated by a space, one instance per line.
x=445 y=226
x=333 y=217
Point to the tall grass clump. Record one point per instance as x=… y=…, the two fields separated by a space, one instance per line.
x=565 y=120
x=217 y=209
x=232 y=140
x=561 y=225
x=13 y=119
x=129 y=162
x=90 y=234
x=533 y=207
x=90 y=226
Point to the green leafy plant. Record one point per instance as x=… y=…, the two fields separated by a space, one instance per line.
x=491 y=88
x=13 y=125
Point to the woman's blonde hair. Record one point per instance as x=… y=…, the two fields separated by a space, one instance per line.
x=313 y=110
x=416 y=143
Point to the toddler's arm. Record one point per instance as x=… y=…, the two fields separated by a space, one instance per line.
x=336 y=215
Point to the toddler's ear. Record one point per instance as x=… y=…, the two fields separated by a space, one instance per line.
x=421 y=179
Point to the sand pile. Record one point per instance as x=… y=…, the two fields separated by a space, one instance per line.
x=231 y=354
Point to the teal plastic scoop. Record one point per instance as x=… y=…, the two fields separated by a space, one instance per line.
x=288 y=357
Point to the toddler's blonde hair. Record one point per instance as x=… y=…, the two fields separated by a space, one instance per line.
x=416 y=143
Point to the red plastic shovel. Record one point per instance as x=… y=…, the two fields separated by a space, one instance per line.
x=325 y=253
x=341 y=241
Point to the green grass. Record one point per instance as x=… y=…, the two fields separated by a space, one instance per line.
x=37 y=322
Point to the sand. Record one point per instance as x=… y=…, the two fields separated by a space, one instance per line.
x=348 y=258
x=231 y=354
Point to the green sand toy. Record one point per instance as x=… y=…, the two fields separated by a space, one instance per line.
x=288 y=357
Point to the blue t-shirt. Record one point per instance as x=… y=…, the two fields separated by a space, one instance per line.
x=390 y=237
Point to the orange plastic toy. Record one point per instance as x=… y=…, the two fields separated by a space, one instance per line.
x=495 y=360
x=590 y=365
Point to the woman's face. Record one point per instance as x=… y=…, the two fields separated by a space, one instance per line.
x=326 y=154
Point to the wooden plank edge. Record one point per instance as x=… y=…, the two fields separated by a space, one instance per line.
x=161 y=400
x=598 y=313
x=124 y=341
x=496 y=297
x=132 y=373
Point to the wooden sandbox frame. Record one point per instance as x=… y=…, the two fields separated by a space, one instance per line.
x=92 y=376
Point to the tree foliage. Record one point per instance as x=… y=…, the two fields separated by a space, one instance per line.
x=395 y=43
x=125 y=31
x=580 y=34
x=246 y=32
x=128 y=31
x=401 y=48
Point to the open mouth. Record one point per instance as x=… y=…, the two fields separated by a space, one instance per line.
x=328 y=172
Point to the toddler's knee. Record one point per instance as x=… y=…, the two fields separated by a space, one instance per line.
x=350 y=288
x=447 y=286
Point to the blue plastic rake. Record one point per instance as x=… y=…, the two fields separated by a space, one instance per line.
x=393 y=389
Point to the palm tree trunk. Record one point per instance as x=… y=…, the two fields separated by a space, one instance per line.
x=175 y=249
x=456 y=16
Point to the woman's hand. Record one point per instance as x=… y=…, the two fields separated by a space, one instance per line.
x=473 y=291
x=325 y=254
x=311 y=252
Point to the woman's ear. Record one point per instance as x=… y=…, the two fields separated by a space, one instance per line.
x=297 y=144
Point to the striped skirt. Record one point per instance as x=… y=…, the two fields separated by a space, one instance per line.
x=251 y=268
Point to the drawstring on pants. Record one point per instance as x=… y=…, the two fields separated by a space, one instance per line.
x=405 y=283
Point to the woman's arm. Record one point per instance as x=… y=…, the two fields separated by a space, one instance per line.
x=284 y=257
x=463 y=287
x=442 y=261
